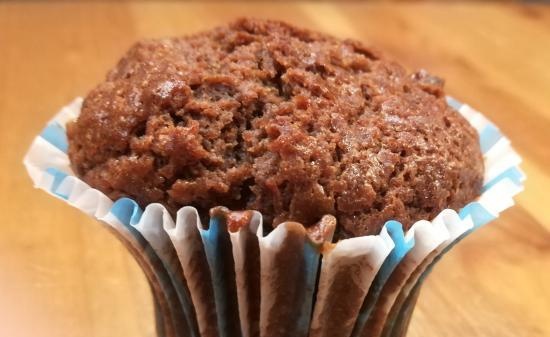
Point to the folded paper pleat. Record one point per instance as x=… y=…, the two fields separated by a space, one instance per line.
x=347 y=271
x=288 y=264
x=186 y=239
x=246 y=256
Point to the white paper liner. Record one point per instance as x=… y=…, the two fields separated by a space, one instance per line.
x=186 y=239
x=48 y=167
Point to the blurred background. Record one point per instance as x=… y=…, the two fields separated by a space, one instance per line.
x=63 y=274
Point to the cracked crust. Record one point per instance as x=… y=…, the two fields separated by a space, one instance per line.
x=261 y=115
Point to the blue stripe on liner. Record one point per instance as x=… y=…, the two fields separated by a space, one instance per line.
x=488 y=137
x=126 y=211
x=58 y=177
x=513 y=174
x=480 y=216
x=429 y=269
x=217 y=246
x=54 y=134
x=402 y=247
x=125 y=214
x=311 y=266
x=454 y=103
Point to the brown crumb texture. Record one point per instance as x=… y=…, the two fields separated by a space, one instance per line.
x=262 y=115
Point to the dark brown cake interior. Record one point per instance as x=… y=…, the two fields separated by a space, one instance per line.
x=262 y=115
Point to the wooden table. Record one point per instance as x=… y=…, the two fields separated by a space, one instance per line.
x=61 y=274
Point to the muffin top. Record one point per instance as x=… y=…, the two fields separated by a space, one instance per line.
x=293 y=123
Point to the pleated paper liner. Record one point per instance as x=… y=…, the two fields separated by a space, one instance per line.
x=229 y=278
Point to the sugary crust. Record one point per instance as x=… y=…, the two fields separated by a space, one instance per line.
x=262 y=115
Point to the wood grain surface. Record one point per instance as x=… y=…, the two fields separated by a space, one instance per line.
x=62 y=274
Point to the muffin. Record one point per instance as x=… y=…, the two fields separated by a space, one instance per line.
x=277 y=182
x=295 y=124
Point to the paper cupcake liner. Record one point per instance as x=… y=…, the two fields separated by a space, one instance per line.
x=212 y=281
